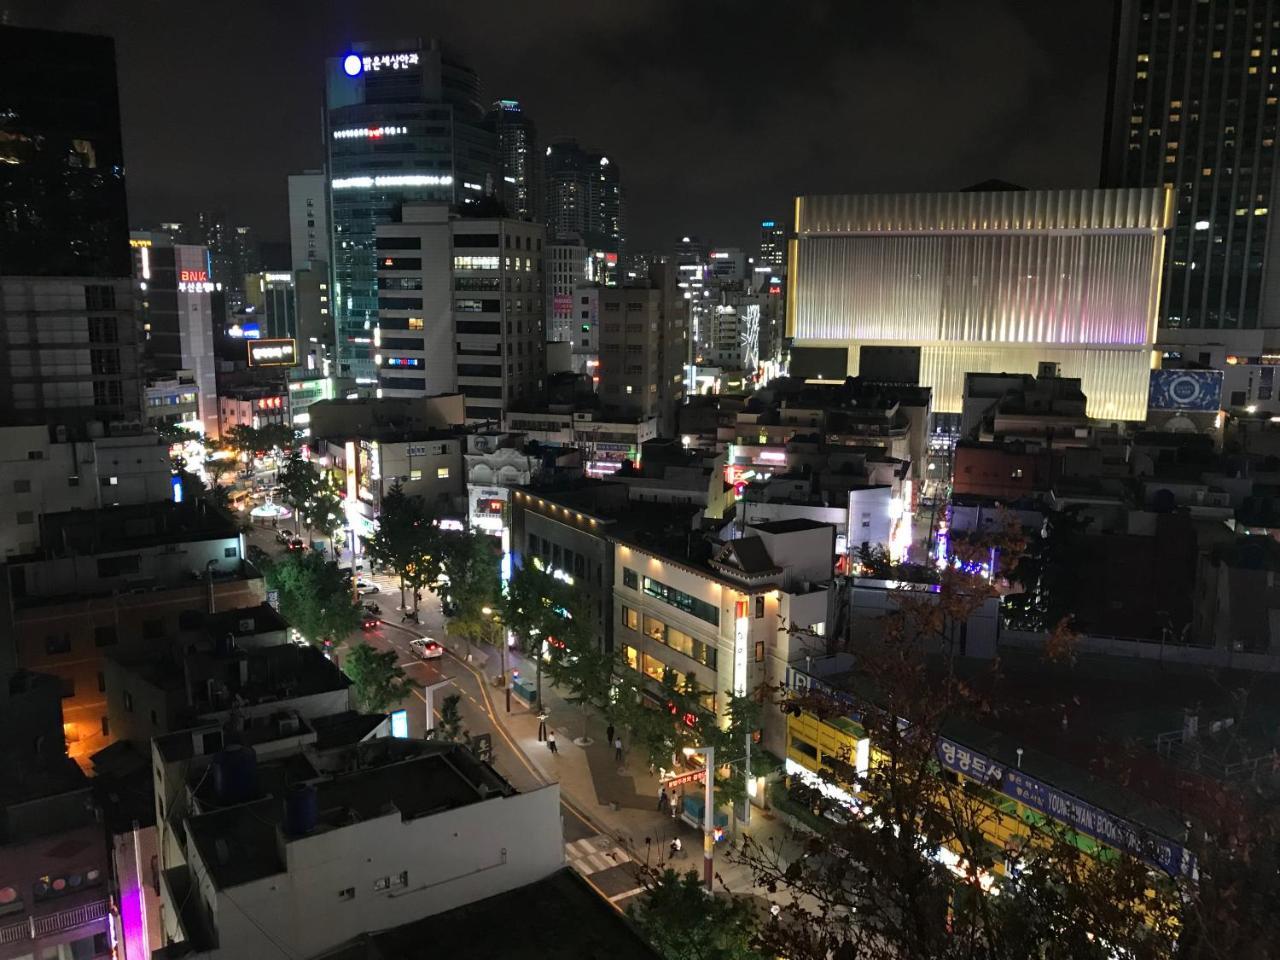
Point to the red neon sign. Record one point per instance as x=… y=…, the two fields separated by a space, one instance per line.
x=193 y=276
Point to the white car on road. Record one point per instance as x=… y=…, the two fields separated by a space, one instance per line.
x=365 y=587
x=426 y=649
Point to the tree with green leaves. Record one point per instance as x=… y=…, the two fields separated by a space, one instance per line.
x=299 y=481
x=683 y=922
x=545 y=614
x=407 y=541
x=379 y=682
x=326 y=511
x=216 y=469
x=314 y=598
x=449 y=726
x=586 y=674
x=469 y=561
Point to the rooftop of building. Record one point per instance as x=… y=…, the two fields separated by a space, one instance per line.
x=557 y=918
x=213 y=678
x=788 y=526
x=252 y=391
x=129 y=527
x=245 y=842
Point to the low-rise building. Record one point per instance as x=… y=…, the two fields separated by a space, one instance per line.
x=716 y=615
x=47 y=470
x=172 y=400
x=256 y=406
x=116 y=579
x=276 y=835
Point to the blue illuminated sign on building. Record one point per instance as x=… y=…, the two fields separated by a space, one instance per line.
x=176 y=483
x=413 y=362
x=352 y=65
x=1192 y=390
x=767 y=224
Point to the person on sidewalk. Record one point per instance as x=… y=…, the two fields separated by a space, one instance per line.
x=662 y=799
x=551 y=741
x=617 y=749
x=608 y=734
x=676 y=847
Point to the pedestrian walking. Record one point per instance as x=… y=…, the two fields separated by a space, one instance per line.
x=551 y=742
x=676 y=847
x=675 y=803
x=608 y=733
x=617 y=749
x=662 y=799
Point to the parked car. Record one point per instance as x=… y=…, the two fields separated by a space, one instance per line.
x=284 y=535
x=426 y=648
x=255 y=553
x=365 y=587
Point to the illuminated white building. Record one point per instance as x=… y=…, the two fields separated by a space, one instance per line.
x=717 y=622
x=986 y=282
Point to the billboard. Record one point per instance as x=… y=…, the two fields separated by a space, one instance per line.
x=562 y=305
x=1189 y=390
x=272 y=353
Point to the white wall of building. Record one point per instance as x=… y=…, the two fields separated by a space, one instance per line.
x=452 y=858
x=308 y=219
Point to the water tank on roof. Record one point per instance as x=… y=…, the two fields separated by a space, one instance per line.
x=301 y=810
x=235 y=774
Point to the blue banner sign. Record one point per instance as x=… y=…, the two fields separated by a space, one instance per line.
x=1194 y=390
x=1083 y=817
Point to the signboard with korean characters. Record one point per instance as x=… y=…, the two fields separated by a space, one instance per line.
x=1058 y=805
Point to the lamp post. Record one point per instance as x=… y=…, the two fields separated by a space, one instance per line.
x=502 y=642
x=708 y=810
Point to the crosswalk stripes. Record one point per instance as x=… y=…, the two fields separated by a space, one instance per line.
x=593 y=854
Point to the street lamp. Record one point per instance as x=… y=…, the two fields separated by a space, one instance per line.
x=502 y=642
x=708 y=810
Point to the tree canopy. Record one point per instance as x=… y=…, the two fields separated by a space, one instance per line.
x=378 y=681
x=314 y=598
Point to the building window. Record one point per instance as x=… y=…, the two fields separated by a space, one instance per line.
x=106 y=727
x=682 y=601
x=415 y=474
x=759 y=651
x=102 y=682
x=22 y=486
x=630 y=578
x=442 y=473
x=381 y=883
x=25 y=517
x=128 y=702
x=105 y=635
x=348 y=893
x=229 y=553
x=54 y=644
x=631 y=655
x=759 y=607
x=804 y=747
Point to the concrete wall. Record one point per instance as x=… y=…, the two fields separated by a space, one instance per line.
x=452 y=858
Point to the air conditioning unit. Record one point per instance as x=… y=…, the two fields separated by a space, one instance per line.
x=288 y=725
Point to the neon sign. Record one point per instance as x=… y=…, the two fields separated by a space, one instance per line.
x=394 y=180
x=188 y=276
x=413 y=362
x=386 y=61
x=741 y=626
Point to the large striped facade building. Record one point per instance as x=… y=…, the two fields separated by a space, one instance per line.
x=986 y=282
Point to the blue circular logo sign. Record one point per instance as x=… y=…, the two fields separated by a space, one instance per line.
x=352 y=65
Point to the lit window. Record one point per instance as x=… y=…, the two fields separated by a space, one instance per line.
x=1259 y=211
x=442 y=473
x=415 y=474
x=1217 y=54
x=1207 y=171
x=415 y=323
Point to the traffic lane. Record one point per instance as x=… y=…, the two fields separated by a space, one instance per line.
x=476 y=705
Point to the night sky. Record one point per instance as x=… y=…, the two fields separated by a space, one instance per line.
x=717 y=113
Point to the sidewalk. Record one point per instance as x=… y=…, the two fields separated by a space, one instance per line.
x=619 y=799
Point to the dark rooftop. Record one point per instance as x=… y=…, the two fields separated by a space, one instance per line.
x=558 y=918
x=788 y=526
x=115 y=529
x=240 y=843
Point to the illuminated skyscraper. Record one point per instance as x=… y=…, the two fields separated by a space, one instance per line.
x=520 y=184
x=1193 y=106
x=404 y=123
x=773 y=244
x=583 y=196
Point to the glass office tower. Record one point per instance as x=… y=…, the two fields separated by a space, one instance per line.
x=404 y=123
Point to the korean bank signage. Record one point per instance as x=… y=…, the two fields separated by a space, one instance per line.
x=1063 y=807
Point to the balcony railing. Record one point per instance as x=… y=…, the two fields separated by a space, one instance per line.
x=51 y=923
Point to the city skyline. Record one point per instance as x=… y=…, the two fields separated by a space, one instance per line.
x=757 y=123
